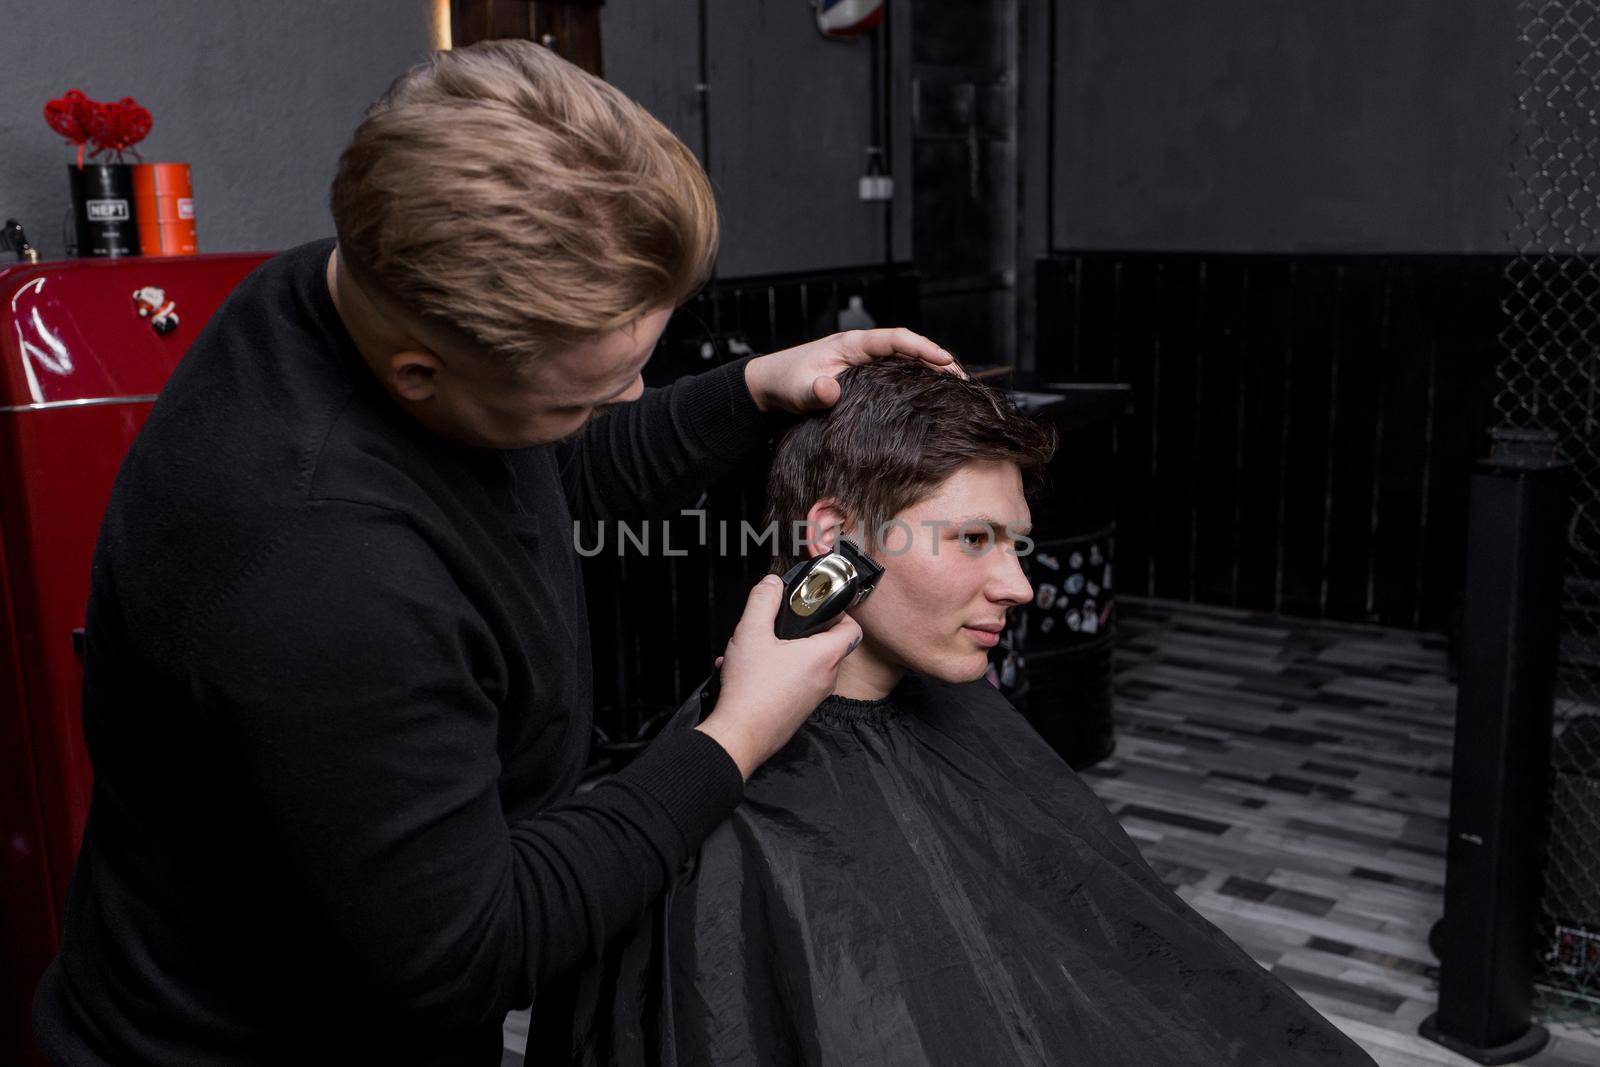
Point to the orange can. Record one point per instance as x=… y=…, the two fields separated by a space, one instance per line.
x=164 y=205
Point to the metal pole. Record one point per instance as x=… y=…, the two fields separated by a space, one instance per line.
x=1499 y=784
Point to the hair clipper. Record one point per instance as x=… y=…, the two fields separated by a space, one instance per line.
x=816 y=591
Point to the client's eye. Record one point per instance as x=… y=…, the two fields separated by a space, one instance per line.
x=975 y=538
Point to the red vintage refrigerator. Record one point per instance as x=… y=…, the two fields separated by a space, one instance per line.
x=85 y=346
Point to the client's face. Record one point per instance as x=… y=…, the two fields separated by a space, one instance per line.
x=950 y=572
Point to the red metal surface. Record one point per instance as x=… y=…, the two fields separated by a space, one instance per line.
x=79 y=370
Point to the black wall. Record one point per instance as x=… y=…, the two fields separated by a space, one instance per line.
x=780 y=117
x=1281 y=125
x=1303 y=426
x=1284 y=224
x=964 y=156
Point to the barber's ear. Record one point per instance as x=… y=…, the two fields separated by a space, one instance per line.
x=413 y=374
x=826 y=522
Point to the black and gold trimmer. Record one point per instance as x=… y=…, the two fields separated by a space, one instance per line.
x=817 y=591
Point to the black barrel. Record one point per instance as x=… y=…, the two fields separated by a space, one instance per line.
x=102 y=205
x=1055 y=659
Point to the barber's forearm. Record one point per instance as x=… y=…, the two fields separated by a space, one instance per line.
x=617 y=847
x=653 y=456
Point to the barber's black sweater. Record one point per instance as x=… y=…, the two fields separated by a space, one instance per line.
x=337 y=698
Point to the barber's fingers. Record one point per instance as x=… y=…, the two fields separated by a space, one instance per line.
x=761 y=614
x=826 y=389
x=906 y=344
x=899 y=341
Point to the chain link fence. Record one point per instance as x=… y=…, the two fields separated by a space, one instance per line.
x=1549 y=383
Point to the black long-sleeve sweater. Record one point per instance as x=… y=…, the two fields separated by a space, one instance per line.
x=337 y=699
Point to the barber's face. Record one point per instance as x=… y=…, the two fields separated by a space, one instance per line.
x=469 y=400
x=950 y=572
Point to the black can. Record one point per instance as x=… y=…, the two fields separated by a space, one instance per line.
x=102 y=205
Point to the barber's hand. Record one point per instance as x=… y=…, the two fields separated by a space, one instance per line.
x=801 y=379
x=769 y=685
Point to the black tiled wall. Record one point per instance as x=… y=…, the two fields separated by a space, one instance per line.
x=1303 y=428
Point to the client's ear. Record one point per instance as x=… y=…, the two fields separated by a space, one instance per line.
x=824 y=524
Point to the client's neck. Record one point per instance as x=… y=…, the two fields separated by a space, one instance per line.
x=866 y=674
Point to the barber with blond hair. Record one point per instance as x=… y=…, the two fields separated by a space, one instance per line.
x=337 y=680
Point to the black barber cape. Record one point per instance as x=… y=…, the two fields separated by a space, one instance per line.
x=921 y=880
x=337 y=696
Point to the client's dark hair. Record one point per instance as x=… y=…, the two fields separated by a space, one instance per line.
x=899 y=430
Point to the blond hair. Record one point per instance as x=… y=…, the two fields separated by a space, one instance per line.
x=505 y=196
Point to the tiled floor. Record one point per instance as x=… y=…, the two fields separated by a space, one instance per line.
x=1291 y=781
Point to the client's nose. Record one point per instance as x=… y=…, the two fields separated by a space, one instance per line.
x=1007 y=584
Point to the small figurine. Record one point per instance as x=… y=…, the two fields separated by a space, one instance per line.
x=152 y=304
